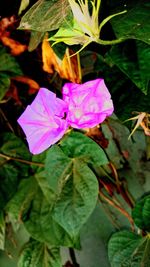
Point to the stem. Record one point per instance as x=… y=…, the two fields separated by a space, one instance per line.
x=79 y=67
x=121 y=188
x=108 y=18
x=69 y=62
x=107 y=175
x=6 y=120
x=110 y=42
x=73 y=257
x=111 y=216
x=21 y=160
x=113 y=169
x=122 y=211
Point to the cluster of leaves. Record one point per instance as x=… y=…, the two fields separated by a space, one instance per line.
x=131 y=249
x=52 y=195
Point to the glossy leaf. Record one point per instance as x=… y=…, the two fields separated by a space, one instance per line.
x=36 y=254
x=141 y=213
x=45 y=15
x=133 y=59
x=133 y=24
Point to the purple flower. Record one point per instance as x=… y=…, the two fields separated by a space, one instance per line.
x=88 y=104
x=43 y=122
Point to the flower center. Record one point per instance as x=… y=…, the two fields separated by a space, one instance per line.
x=78 y=113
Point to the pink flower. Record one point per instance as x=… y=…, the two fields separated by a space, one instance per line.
x=43 y=122
x=88 y=104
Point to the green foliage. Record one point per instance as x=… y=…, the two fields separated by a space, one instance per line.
x=22 y=199
x=36 y=254
x=141 y=213
x=75 y=190
x=129 y=249
x=2 y=231
x=56 y=203
x=133 y=24
x=9 y=67
x=42 y=226
x=4 y=83
x=133 y=59
x=53 y=195
x=11 y=171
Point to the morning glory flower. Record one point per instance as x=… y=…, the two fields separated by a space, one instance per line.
x=88 y=104
x=43 y=121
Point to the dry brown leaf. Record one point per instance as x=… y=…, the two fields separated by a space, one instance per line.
x=16 y=48
x=97 y=135
x=33 y=86
x=4 y=24
x=13 y=93
x=70 y=68
x=66 y=68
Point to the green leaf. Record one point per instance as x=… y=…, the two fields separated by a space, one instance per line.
x=69 y=191
x=20 y=203
x=36 y=254
x=122 y=249
x=8 y=68
x=133 y=24
x=76 y=192
x=30 y=206
x=77 y=145
x=70 y=184
x=45 y=15
x=133 y=59
x=126 y=249
x=8 y=64
x=2 y=231
x=4 y=84
x=9 y=183
x=141 y=213
x=42 y=227
x=11 y=171
x=13 y=146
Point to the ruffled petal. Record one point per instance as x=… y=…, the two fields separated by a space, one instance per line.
x=88 y=104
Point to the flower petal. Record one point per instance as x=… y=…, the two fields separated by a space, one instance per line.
x=88 y=104
x=39 y=122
